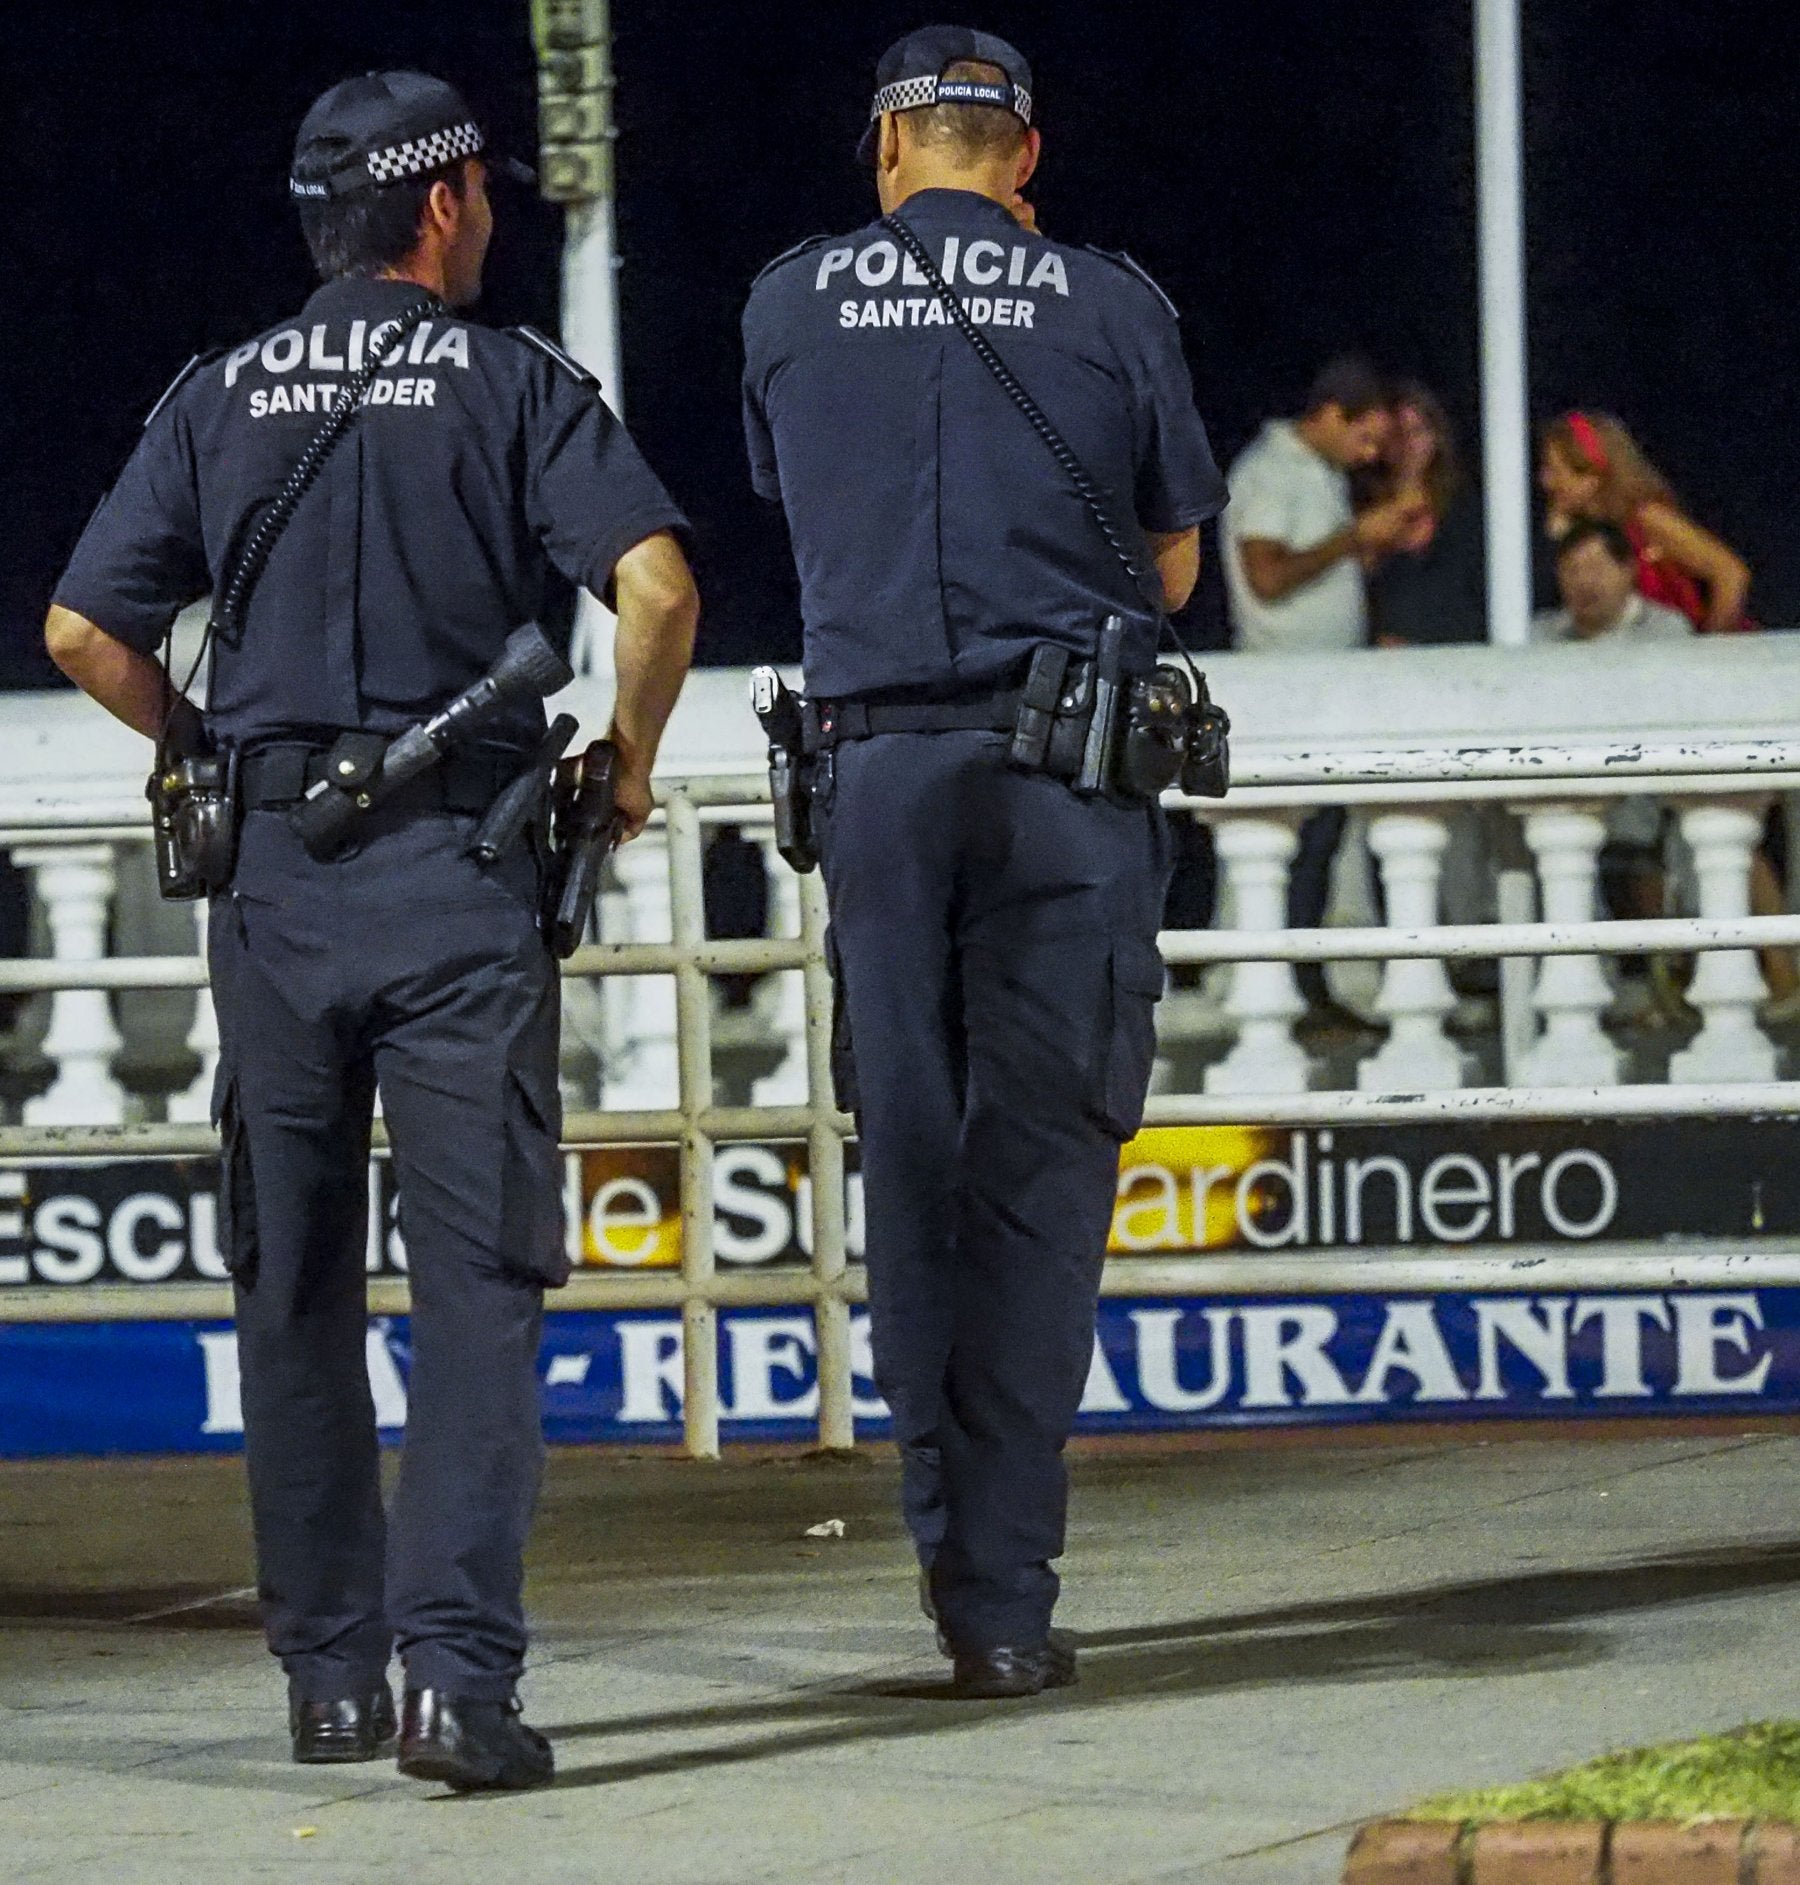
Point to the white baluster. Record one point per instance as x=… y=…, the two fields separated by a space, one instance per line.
x=785 y=1012
x=1727 y=983
x=1415 y=995
x=642 y=1070
x=195 y=1100
x=1572 y=991
x=1263 y=999
x=75 y=883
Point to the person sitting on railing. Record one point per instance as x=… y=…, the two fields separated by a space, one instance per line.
x=1597 y=574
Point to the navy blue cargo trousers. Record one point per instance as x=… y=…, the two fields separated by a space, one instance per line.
x=994 y=940
x=407 y=969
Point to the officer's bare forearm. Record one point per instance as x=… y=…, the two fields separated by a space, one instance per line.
x=1177 y=554
x=659 y=611
x=129 y=685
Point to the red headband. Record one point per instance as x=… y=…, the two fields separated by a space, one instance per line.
x=1587 y=435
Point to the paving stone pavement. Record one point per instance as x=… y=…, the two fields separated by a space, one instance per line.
x=1280 y=1638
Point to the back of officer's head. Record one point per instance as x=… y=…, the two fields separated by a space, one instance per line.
x=966 y=137
x=389 y=174
x=368 y=232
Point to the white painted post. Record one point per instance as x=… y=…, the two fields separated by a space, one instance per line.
x=1415 y=996
x=642 y=1065
x=1264 y=999
x=194 y=1102
x=1727 y=984
x=785 y=1010
x=1572 y=992
x=575 y=110
x=1505 y=392
x=75 y=883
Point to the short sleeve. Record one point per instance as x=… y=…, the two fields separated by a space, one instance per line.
x=765 y=474
x=1178 y=482
x=142 y=559
x=759 y=440
x=1262 y=505
x=591 y=496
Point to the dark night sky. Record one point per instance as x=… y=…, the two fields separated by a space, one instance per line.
x=1298 y=175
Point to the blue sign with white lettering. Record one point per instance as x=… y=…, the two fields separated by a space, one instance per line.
x=1159 y=1363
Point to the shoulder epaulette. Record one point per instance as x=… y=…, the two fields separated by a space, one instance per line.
x=1120 y=259
x=788 y=255
x=551 y=351
x=180 y=380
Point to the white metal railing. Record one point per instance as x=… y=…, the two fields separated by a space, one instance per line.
x=1579 y=777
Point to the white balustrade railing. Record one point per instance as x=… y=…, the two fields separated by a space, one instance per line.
x=71 y=819
x=75 y=881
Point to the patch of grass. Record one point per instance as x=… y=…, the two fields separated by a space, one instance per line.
x=1751 y=1773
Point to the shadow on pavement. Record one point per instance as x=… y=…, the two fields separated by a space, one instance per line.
x=1477 y=1628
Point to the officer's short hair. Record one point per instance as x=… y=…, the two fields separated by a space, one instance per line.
x=364 y=231
x=973 y=133
x=1353 y=384
x=1599 y=530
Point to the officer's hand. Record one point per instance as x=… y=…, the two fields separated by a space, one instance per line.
x=632 y=801
x=1025 y=214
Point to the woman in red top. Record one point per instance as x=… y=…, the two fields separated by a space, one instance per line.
x=1592 y=467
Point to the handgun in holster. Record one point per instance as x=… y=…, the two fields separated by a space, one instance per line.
x=193 y=819
x=779 y=710
x=584 y=827
x=1084 y=720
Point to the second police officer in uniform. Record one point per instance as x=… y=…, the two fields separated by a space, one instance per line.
x=994 y=932
x=402 y=967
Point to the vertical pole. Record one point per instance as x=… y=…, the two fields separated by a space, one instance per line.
x=1505 y=398
x=575 y=92
x=693 y=1017
x=825 y=1162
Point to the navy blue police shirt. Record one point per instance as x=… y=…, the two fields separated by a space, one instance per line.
x=936 y=539
x=477 y=462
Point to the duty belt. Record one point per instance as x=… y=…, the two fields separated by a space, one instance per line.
x=828 y=723
x=278 y=775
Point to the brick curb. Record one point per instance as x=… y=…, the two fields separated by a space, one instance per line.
x=1575 y=1852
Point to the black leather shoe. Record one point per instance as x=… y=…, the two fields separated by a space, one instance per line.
x=989 y=1675
x=351 y=1728
x=469 y=1745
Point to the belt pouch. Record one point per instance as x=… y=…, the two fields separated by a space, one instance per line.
x=1036 y=719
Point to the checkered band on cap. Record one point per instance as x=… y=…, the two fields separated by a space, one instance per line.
x=412 y=159
x=914 y=94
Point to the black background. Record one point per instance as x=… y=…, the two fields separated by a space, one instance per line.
x=1299 y=176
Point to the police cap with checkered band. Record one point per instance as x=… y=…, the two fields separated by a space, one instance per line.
x=384 y=128
x=911 y=76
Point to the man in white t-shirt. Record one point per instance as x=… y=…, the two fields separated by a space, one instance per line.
x=1295 y=550
x=1296 y=553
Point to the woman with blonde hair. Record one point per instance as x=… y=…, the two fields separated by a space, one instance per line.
x=1590 y=466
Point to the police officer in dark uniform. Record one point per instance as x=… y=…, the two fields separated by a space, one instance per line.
x=478 y=461
x=994 y=932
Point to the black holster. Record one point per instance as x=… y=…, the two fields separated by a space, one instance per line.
x=1083 y=720
x=194 y=818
